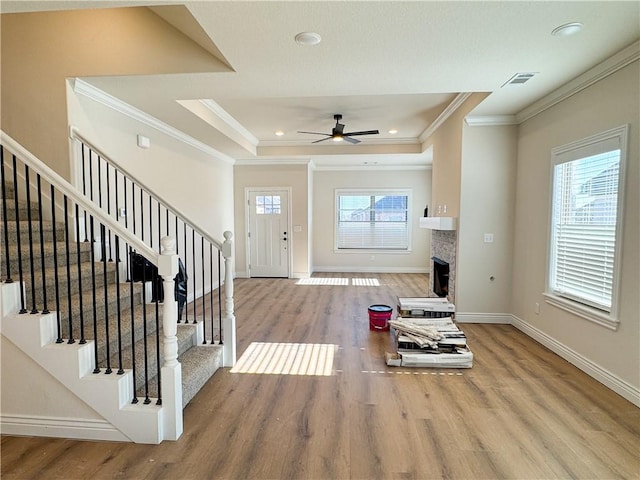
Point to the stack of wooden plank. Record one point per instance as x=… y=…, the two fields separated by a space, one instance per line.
x=427 y=335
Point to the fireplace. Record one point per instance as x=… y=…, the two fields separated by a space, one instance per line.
x=440 y=277
x=443 y=247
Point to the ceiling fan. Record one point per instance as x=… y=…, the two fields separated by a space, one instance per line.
x=338 y=134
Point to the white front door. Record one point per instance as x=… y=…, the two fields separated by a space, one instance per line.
x=268 y=233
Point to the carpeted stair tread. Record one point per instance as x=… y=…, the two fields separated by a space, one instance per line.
x=199 y=363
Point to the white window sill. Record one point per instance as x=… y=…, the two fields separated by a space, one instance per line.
x=583 y=311
x=371 y=251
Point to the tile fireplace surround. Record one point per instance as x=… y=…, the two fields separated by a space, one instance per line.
x=444 y=246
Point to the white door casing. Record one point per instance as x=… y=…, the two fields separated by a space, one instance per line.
x=268 y=232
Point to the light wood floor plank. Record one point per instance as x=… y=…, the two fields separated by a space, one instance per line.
x=521 y=412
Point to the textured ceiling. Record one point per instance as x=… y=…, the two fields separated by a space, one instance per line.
x=383 y=65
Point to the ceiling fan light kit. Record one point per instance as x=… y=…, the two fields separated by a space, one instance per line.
x=338 y=134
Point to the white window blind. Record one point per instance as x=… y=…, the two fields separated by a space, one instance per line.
x=372 y=220
x=584 y=222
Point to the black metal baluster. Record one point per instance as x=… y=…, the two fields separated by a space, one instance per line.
x=115 y=180
x=134 y=400
x=126 y=222
x=150 y=223
x=220 y=295
x=4 y=217
x=56 y=275
x=102 y=250
x=213 y=336
x=186 y=307
x=159 y=367
x=67 y=246
x=105 y=280
x=193 y=256
x=84 y=190
x=133 y=205
x=83 y=340
x=94 y=295
x=177 y=253
x=167 y=221
x=31 y=262
x=147 y=400
x=109 y=210
x=18 y=236
x=142 y=215
x=45 y=308
x=120 y=369
x=204 y=317
x=91 y=184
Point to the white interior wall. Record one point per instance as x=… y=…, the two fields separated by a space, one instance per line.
x=607 y=104
x=189 y=179
x=259 y=176
x=327 y=259
x=486 y=207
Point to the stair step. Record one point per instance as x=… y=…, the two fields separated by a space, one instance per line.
x=49 y=248
x=23 y=210
x=47 y=231
x=199 y=363
x=84 y=277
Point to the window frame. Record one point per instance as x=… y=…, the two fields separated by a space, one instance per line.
x=373 y=192
x=592 y=145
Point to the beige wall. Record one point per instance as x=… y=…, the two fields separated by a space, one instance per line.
x=189 y=179
x=447 y=160
x=609 y=103
x=324 y=256
x=258 y=176
x=41 y=50
x=486 y=206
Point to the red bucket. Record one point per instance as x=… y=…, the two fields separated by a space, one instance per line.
x=379 y=316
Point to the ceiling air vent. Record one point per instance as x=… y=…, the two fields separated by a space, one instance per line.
x=519 y=78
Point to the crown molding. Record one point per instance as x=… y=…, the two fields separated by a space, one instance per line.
x=490 y=120
x=83 y=88
x=591 y=76
x=446 y=113
x=223 y=115
x=272 y=161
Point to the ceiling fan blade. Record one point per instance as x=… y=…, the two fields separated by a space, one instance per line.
x=366 y=132
x=350 y=140
x=315 y=133
x=322 y=139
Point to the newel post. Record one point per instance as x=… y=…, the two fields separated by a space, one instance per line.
x=229 y=326
x=171 y=368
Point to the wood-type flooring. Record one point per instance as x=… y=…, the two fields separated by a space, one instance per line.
x=521 y=412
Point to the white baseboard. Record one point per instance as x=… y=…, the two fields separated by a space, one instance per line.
x=503 y=318
x=343 y=269
x=592 y=369
x=60 y=427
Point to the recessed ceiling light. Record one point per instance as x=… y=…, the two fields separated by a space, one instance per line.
x=308 y=38
x=393 y=131
x=279 y=133
x=567 y=29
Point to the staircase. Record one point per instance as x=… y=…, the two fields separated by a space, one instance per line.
x=78 y=297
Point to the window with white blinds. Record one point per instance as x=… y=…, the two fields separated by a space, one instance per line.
x=376 y=220
x=586 y=210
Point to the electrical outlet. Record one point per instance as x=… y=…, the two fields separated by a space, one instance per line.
x=536 y=308
x=488 y=238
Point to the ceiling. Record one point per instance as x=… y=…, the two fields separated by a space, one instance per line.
x=382 y=65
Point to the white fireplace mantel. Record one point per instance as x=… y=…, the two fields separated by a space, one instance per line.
x=438 y=223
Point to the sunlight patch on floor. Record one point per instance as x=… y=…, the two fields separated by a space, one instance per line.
x=314 y=359
x=365 y=282
x=323 y=281
x=357 y=282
